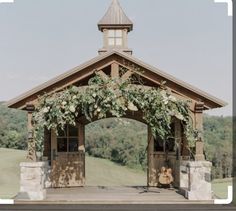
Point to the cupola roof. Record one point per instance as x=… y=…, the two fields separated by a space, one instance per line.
x=115 y=17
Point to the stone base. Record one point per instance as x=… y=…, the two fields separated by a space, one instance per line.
x=196 y=180
x=32 y=182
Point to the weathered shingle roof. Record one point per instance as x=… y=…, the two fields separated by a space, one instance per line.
x=115 y=17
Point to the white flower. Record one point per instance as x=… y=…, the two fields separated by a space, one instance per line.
x=46 y=110
x=95 y=106
x=94 y=95
x=72 y=109
x=64 y=103
x=98 y=109
x=179 y=116
x=163 y=93
x=132 y=107
x=74 y=97
x=165 y=101
x=172 y=98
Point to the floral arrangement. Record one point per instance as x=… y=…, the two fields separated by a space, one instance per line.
x=113 y=97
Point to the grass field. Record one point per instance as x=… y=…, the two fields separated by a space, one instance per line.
x=99 y=172
x=106 y=173
x=10 y=171
x=220 y=187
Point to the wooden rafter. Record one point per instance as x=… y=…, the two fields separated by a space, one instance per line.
x=127 y=75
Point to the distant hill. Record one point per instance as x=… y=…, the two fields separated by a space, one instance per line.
x=218 y=136
x=13 y=128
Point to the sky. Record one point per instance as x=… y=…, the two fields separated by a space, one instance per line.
x=189 y=39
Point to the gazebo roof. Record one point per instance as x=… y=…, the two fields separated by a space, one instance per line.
x=115 y=17
x=209 y=100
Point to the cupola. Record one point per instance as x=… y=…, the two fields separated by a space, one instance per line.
x=115 y=26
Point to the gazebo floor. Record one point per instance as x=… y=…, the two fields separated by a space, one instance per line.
x=111 y=195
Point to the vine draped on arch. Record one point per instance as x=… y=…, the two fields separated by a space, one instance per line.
x=113 y=96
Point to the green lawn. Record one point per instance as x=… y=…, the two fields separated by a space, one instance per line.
x=99 y=172
x=10 y=171
x=106 y=173
x=220 y=187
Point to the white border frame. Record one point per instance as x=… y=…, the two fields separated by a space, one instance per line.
x=228 y=200
x=229 y=4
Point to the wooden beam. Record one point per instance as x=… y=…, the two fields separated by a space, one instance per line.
x=127 y=75
x=115 y=70
x=105 y=65
x=89 y=73
x=61 y=82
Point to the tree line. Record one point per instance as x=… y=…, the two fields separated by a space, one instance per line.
x=125 y=141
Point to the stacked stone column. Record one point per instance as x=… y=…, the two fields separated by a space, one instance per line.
x=33 y=177
x=33 y=174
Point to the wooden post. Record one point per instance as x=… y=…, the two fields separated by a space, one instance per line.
x=125 y=39
x=115 y=70
x=178 y=138
x=151 y=174
x=53 y=145
x=82 y=151
x=81 y=128
x=178 y=141
x=47 y=144
x=185 y=150
x=31 y=154
x=105 y=38
x=199 y=155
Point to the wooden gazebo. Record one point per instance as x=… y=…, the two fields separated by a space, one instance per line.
x=65 y=154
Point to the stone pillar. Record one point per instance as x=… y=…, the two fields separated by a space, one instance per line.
x=199 y=180
x=184 y=177
x=31 y=154
x=199 y=155
x=33 y=178
x=195 y=180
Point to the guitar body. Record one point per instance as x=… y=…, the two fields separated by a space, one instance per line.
x=165 y=177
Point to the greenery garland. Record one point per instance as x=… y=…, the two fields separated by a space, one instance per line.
x=114 y=97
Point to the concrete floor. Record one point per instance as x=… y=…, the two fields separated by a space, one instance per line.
x=113 y=195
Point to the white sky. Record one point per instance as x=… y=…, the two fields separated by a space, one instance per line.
x=190 y=39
